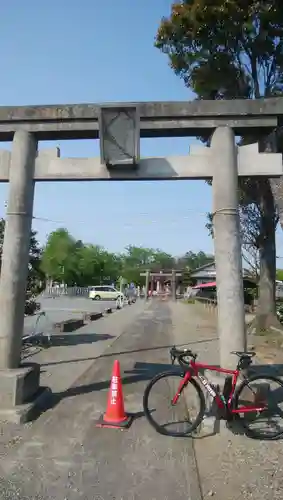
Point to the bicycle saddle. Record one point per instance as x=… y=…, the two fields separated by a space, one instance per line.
x=244 y=354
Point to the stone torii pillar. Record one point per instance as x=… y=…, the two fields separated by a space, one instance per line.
x=19 y=384
x=227 y=245
x=15 y=257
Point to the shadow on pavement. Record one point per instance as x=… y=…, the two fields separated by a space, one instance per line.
x=35 y=344
x=133 y=351
x=268 y=369
x=75 y=339
x=140 y=372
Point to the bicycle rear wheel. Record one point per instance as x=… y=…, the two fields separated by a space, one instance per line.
x=177 y=420
x=261 y=390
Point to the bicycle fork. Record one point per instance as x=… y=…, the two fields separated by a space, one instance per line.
x=222 y=400
x=185 y=378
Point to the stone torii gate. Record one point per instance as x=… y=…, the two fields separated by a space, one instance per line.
x=119 y=128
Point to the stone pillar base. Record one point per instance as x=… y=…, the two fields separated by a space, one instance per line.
x=20 y=393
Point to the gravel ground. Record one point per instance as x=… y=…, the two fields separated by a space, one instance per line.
x=231 y=466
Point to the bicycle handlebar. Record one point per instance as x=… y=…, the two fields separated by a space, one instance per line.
x=181 y=353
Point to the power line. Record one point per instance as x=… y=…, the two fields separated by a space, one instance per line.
x=140 y=219
x=150 y=214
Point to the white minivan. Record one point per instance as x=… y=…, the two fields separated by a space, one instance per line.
x=104 y=292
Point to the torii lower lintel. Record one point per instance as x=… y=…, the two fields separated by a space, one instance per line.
x=197 y=165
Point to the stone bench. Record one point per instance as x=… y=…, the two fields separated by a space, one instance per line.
x=69 y=325
x=89 y=317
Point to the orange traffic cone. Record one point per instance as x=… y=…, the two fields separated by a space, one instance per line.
x=115 y=415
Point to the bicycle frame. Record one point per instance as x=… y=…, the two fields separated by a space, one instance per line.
x=221 y=402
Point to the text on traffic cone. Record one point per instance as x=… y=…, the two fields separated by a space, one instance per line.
x=115 y=415
x=115 y=411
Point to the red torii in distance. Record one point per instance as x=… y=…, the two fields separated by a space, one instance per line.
x=160 y=275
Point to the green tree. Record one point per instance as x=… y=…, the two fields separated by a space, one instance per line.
x=88 y=265
x=134 y=261
x=66 y=260
x=138 y=256
x=186 y=279
x=163 y=260
x=112 y=266
x=36 y=277
x=95 y=266
x=139 y=259
x=60 y=257
x=72 y=262
x=191 y=260
x=229 y=49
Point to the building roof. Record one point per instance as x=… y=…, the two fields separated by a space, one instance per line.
x=209 y=264
x=212 y=284
x=246 y=272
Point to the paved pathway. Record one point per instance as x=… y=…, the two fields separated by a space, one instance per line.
x=64 y=456
x=71 y=354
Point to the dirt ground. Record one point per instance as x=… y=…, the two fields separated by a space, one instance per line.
x=231 y=466
x=268 y=346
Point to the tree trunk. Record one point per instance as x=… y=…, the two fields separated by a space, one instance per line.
x=277 y=191
x=274 y=145
x=266 y=310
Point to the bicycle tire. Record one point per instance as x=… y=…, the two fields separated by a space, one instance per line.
x=160 y=429
x=243 y=420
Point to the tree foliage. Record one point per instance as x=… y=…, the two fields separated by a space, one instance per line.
x=191 y=260
x=225 y=48
x=279 y=274
x=36 y=277
x=231 y=49
x=60 y=256
x=68 y=261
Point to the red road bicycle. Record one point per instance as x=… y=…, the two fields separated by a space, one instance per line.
x=250 y=406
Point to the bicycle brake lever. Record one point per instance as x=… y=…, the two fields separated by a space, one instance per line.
x=173 y=359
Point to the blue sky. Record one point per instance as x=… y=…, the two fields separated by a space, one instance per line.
x=91 y=51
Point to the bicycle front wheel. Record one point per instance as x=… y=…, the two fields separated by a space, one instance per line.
x=177 y=420
x=266 y=392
